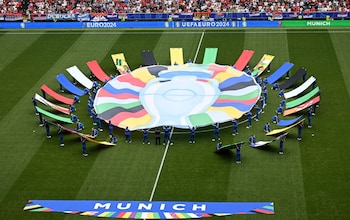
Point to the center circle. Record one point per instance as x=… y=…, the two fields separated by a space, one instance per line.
x=180 y=95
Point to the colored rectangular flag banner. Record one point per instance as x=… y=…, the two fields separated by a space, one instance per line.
x=149 y=210
x=262 y=65
x=120 y=63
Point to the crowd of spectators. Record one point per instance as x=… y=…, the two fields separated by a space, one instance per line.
x=169 y=6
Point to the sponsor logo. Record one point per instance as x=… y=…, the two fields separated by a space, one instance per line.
x=100 y=25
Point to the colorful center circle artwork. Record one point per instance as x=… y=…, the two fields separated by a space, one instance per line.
x=182 y=96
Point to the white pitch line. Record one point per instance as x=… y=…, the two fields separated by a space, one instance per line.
x=161 y=166
x=199 y=46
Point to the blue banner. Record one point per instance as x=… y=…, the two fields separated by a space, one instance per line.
x=204 y=24
x=149 y=210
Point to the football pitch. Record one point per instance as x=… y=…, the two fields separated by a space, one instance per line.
x=311 y=180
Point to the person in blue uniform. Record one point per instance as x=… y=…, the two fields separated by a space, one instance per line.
x=235 y=127
x=80 y=126
x=145 y=136
x=127 y=133
x=238 y=153
x=76 y=99
x=110 y=127
x=72 y=108
x=300 y=129
x=94 y=133
x=60 y=134
x=309 y=118
x=96 y=120
x=86 y=91
x=74 y=118
x=192 y=135
x=47 y=128
x=35 y=104
x=257 y=111
x=275 y=119
x=112 y=139
x=252 y=139
x=281 y=93
x=249 y=120
x=283 y=103
x=279 y=110
x=90 y=108
x=61 y=88
x=266 y=95
x=167 y=136
x=267 y=127
x=157 y=136
x=275 y=86
x=263 y=104
x=219 y=145
x=83 y=146
x=41 y=122
x=216 y=132
x=282 y=139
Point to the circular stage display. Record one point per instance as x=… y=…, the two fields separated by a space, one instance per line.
x=182 y=96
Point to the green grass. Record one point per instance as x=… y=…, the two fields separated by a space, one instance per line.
x=310 y=181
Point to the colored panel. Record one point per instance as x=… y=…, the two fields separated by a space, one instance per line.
x=75 y=72
x=120 y=63
x=295 y=78
x=210 y=55
x=50 y=104
x=62 y=79
x=243 y=59
x=300 y=88
x=56 y=96
x=262 y=65
x=302 y=99
x=279 y=72
x=302 y=106
x=176 y=56
x=56 y=117
x=96 y=69
x=87 y=137
x=289 y=122
x=148 y=58
x=229 y=147
x=278 y=131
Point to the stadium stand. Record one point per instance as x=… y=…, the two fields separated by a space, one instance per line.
x=42 y=7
